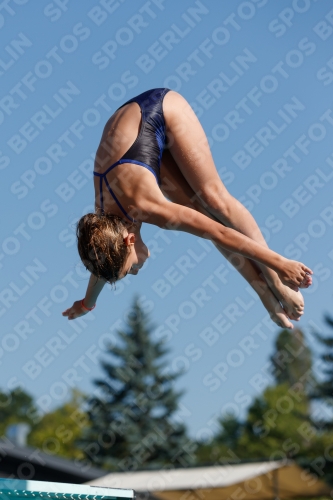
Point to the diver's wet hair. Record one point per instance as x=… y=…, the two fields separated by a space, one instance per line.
x=100 y=243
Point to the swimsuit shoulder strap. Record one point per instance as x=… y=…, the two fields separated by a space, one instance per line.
x=103 y=176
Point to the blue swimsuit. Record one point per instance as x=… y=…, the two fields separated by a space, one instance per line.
x=148 y=147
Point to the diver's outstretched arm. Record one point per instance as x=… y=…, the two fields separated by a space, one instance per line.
x=94 y=288
x=177 y=217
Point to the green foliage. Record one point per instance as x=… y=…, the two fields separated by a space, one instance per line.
x=274 y=429
x=322 y=417
x=131 y=424
x=57 y=432
x=275 y=426
x=230 y=431
x=292 y=360
x=278 y=422
x=128 y=423
x=16 y=407
x=222 y=447
x=324 y=389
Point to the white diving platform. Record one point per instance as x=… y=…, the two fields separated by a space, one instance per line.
x=16 y=489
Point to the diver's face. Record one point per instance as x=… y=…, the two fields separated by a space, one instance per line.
x=138 y=254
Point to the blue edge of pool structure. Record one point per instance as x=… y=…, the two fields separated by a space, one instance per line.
x=18 y=489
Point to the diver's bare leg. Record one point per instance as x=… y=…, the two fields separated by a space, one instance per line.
x=190 y=149
x=177 y=190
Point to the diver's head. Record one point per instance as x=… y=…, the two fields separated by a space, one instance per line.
x=109 y=247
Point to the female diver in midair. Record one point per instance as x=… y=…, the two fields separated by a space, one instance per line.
x=133 y=172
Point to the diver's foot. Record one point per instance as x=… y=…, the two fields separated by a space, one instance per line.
x=291 y=301
x=274 y=308
x=306 y=282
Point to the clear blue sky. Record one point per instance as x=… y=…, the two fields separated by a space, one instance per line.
x=260 y=76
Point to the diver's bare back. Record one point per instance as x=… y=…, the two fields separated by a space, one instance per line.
x=134 y=188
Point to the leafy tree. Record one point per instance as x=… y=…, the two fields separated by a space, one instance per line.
x=278 y=420
x=324 y=389
x=275 y=426
x=56 y=432
x=222 y=447
x=322 y=415
x=16 y=407
x=230 y=431
x=131 y=418
x=279 y=423
x=292 y=360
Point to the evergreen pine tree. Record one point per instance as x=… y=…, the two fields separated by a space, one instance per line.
x=130 y=420
x=221 y=448
x=291 y=367
x=275 y=427
x=322 y=396
x=292 y=360
x=229 y=432
x=324 y=389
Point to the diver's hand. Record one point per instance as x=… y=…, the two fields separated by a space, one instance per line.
x=75 y=311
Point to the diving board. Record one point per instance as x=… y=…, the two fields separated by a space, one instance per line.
x=16 y=489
